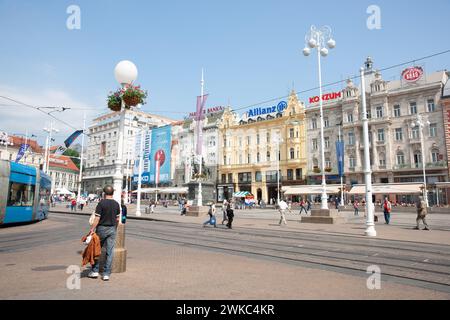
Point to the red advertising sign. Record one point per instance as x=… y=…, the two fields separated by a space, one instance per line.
x=326 y=97
x=412 y=74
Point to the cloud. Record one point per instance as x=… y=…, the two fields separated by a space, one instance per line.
x=17 y=119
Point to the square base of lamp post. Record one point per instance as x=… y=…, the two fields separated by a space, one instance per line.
x=197 y=211
x=324 y=216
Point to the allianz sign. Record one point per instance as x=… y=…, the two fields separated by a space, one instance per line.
x=262 y=111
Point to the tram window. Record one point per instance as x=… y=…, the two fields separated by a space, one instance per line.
x=20 y=195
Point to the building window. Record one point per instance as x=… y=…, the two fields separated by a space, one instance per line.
x=327 y=163
x=314 y=144
x=435 y=156
x=298 y=174
x=433 y=130
x=351 y=138
x=224 y=177
x=398 y=134
x=258 y=176
x=400 y=158
x=268 y=156
x=382 y=160
x=258 y=157
x=224 y=160
x=290 y=174
x=245 y=177
x=397 y=112
x=291 y=133
x=326 y=122
x=417 y=159
x=224 y=140
x=350 y=117
x=268 y=137
x=380 y=134
x=249 y=156
x=430 y=105
x=230 y=178
x=240 y=158
x=292 y=153
x=415 y=133
x=379 y=111
x=314 y=123
x=327 y=142
x=257 y=139
x=271 y=176
x=352 y=162
x=413 y=108
x=249 y=140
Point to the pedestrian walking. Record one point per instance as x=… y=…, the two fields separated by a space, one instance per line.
x=82 y=203
x=152 y=206
x=421 y=213
x=73 y=205
x=308 y=205
x=230 y=216
x=107 y=215
x=212 y=216
x=355 y=207
x=387 y=207
x=282 y=205
x=302 y=207
x=224 y=210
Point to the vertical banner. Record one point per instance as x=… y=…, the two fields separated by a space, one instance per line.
x=340 y=157
x=160 y=154
x=60 y=150
x=22 y=150
x=72 y=138
x=199 y=116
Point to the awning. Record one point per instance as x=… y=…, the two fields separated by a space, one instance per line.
x=64 y=191
x=391 y=188
x=179 y=190
x=310 y=189
x=442 y=185
x=241 y=194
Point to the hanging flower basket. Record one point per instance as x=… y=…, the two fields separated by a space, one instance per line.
x=133 y=95
x=114 y=101
x=328 y=169
x=316 y=170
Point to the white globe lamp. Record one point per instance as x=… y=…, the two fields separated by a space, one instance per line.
x=125 y=72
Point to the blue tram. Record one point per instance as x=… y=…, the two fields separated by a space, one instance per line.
x=24 y=193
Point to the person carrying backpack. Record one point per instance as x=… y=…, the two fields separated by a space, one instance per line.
x=387 y=207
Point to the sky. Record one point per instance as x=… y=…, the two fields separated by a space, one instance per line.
x=251 y=52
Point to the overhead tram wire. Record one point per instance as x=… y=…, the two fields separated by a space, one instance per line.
x=244 y=107
x=39 y=109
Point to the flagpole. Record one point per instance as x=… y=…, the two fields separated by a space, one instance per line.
x=26 y=149
x=200 y=196
x=342 y=175
x=81 y=160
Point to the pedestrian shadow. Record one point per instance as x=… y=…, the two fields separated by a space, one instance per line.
x=84 y=273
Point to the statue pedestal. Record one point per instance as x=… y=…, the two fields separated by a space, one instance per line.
x=208 y=196
x=325 y=216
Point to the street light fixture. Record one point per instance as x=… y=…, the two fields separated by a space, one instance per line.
x=421 y=124
x=48 y=143
x=125 y=73
x=319 y=39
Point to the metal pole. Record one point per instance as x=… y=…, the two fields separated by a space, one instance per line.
x=45 y=155
x=118 y=175
x=278 y=169
x=425 y=192
x=342 y=178
x=128 y=166
x=370 y=223
x=324 y=202
x=200 y=196
x=141 y=160
x=81 y=160
x=48 y=148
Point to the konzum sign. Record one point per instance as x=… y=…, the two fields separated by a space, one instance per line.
x=326 y=97
x=412 y=74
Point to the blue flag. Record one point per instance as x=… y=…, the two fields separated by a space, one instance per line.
x=22 y=150
x=340 y=157
x=72 y=138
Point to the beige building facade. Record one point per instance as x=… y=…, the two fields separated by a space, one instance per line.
x=253 y=148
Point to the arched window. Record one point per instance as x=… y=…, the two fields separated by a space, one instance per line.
x=258 y=158
x=382 y=160
x=417 y=159
x=268 y=155
x=292 y=153
x=435 y=155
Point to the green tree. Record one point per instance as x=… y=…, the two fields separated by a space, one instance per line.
x=73 y=153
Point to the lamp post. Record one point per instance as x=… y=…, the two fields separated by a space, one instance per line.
x=342 y=178
x=278 y=140
x=48 y=145
x=320 y=38
x=81 y=159
x=125 y=73
x=370 y=223
x=141 y=160
x=421 y=124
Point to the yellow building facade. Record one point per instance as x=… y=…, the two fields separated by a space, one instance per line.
x=254 y=147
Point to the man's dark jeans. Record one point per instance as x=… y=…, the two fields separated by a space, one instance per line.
x=107 y=237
